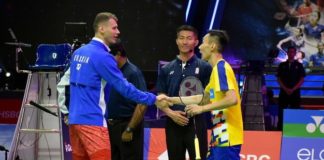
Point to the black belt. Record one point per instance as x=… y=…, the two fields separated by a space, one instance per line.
x=114 y=121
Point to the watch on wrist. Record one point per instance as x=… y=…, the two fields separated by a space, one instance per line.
x=129 y=129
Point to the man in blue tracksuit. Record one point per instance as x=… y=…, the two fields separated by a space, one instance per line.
x=92 y=69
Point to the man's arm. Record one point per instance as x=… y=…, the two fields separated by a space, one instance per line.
x=61 y=99
x=107 y=68
x=178 y=117
x=230 y=99
x=137 y=79
x=286 y=89
x=65 y=81
x=280 y=73
x=196 y=99
x=298 y=85
x=283 y=41
x=137 y=117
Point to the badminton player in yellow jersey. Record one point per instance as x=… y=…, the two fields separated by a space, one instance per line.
x=221 y=99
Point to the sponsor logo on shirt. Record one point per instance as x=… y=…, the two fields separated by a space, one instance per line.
x=211 y=94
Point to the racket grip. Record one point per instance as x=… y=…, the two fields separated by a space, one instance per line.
x=197 y=150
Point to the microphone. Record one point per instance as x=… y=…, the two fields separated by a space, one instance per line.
x=2 y=148
x=13 y=36
x=42 y=108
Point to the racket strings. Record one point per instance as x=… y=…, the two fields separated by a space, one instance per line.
x=191 y=86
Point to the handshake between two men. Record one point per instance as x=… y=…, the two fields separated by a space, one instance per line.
x=191 y=102
x=163 y=101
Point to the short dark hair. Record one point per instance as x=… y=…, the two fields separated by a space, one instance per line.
x=303 y=54
x=300 y=31
x=219 y=37
x=292 y=47
x=102 y=17
x=118 y=47
x=318 y=15
x=187 y=28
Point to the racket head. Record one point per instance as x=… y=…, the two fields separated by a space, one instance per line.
x=190 y=86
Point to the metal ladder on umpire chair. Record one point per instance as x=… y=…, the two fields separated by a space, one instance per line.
x=252 y=103
x=38 y=134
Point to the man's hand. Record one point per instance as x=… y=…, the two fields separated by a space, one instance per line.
x=162 y=101
x=193 y=110
x=289 y=91
x=179 y=117
x=127 y=136
x=161 y=97
x=66 y=119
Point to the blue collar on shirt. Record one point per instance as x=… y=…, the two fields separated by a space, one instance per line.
x=190 y=61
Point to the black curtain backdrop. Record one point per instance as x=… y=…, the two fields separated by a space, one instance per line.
x=148 y=28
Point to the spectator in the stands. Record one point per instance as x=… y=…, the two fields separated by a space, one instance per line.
x=300 y=57
x=290 y=77
x=317 y=59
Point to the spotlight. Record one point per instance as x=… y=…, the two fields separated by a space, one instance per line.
x=241 y=83
x=8 y=74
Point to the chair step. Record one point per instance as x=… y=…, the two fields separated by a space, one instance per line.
x=44 y=105
x=27 y=130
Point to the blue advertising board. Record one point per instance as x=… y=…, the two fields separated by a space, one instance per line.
x=303 y=135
